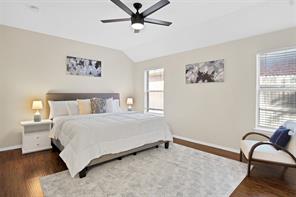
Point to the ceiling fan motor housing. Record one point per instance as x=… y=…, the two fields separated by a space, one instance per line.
x=137 y=18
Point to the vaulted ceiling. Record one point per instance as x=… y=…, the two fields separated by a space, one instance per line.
x=196 y=23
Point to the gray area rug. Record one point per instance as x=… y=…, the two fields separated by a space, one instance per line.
x=177 y=172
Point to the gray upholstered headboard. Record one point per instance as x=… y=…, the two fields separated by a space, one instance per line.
x=74 y=96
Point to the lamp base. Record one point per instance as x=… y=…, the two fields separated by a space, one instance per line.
x=37 y=118
x=129 y=108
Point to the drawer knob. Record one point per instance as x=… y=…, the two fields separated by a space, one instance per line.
x=37 y=144
x=37 y=137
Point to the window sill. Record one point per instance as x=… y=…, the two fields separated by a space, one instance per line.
x=264 y=130
x=156 y=114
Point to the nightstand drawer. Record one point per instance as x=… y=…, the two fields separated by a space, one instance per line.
x=34 y=128
x=36 y=141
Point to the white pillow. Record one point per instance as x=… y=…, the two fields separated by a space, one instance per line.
x=292 y=143
x=116 y=107
x=57 y=108
x=109 y=105
x=72 y=108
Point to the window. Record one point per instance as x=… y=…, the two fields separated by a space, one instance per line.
x=154 y=85
x=276 y=88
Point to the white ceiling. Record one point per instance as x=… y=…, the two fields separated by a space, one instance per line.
x=196 y=23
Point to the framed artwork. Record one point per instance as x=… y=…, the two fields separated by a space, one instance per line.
x=84 y=67
x=205 y=72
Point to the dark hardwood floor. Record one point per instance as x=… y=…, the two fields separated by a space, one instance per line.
x=19 y=174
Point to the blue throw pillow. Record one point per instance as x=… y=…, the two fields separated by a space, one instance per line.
x=281 y=136
x=276 y=134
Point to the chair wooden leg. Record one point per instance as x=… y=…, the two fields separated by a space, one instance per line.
x=240 y=156
x=249 y=168
x=284 y=171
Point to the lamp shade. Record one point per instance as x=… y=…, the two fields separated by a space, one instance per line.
x=37 y=105
x=129 y=101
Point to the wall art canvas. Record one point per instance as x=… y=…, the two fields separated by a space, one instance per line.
x=84 y=67
x=204 y=72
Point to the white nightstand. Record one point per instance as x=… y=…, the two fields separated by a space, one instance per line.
x=35 y=136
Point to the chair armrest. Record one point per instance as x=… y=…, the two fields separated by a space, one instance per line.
x=254 y=133
x=271 y=144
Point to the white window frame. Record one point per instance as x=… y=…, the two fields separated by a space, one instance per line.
x=146 y=92
x=257 y=127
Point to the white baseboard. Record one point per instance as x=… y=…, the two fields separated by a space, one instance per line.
x=207 y=144
x=10 y=148
x=175 y=136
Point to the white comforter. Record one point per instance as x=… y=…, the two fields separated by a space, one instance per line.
x=86 y=137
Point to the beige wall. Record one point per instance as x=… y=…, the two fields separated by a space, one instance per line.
x=217 y=113
x=33 y=64
x=1 y=81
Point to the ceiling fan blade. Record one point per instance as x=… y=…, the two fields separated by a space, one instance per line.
x=157 y=22
x=155 y=7
x=123 y=6
x=115 y=20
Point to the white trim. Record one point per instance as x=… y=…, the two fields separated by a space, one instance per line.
x=36 y=149
x=258 y=54
x=207 y=144
x=276 y=49
x=10 y=148
x=146 y=87
x=257 y=87
x=264 y=130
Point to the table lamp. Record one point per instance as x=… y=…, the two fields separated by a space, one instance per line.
x=37 y=105
x=129 y=102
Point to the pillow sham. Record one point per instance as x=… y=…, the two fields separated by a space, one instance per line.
x=72 y=108
x=116 y=107
x=98 y=105
x=84 y=106
x=109 y=105
x=57 y=108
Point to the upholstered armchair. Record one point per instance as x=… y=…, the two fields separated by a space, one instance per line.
x=267 y=152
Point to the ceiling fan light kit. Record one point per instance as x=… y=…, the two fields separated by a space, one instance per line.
x=137 y=26
x=138 y=19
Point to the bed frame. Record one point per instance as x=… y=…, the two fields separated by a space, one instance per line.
x=105 y=158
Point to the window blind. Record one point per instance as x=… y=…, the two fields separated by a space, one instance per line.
x=154 y=87
x=276 y=88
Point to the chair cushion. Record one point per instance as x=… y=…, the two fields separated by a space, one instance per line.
x=265 y=152
x=281 y=136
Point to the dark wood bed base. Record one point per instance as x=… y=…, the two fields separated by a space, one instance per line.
x=56 y=146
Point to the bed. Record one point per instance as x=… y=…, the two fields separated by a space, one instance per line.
x=89 y=140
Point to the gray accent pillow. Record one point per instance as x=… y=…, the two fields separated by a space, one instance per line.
x=98 y=105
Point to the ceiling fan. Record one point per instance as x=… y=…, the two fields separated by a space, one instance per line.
x=138 y=19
